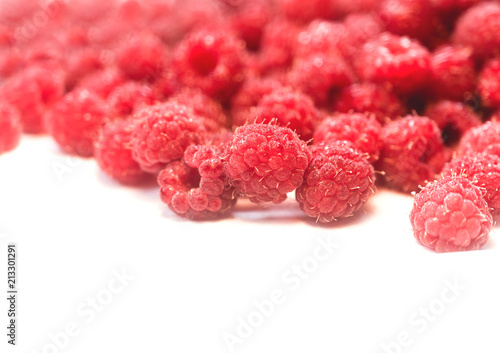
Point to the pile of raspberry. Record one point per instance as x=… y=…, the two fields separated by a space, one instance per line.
x=324 y=101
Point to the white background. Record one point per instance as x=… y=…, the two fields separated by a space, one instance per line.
x=192 y=282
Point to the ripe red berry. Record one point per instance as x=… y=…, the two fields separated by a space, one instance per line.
x=451 y=215
x=338 y=181
x=266 y=162
x=319 y=37
x=114 y=155
x=359 y=28
x=295 y=9
x=124 y=100
x=484 y=138
x=197 y=187
x=362 y=131
x=399 y=63
x=412 y=152
x=10 y=127
x=249 y=20
x=372 y=99
x=102 y=82
x=162 y=134
x=489 y=84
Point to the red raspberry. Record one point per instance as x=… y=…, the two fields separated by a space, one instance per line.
x=359 y=28
x=162 y=134
x=363 y=132
x=484 y=138
x=102 y=82
x=295 y=9
x=113 y=153
x=10 y=127
x=80 y=63
x=127 y=98
x=167 y=84
x=266 y=162
x=482 y=170
x=337 y=183
x=370 y=98
x=451 y=215
x=453 y=118
x=319 y=37
x=285 y=107
x=197 y=187
x=249 y=21
x=249 y=96
x=453 y=73
x=203 y=106
x=412 y=152
x=141 y=56
x=453 y=5
x=211 y=61
x=398 y=62
x=489 y=84
x=346 y=7
x=478 y=29
x=76 y=120
x=320 y=74
x=10 y=60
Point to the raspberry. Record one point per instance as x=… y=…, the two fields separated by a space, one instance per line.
x=10 y=128
x=482 y=170
x=127 y=98
x=319 y=37
x=359 y=28
x=10 y=61
x=211 y=61
x=412 y=152
x=76 y=120
x=320 y=74
x=478 y=29
x=102 y=82
x=266 y=162
x=363 y=132
x=113 y=153
x=484 y=138
x=80 y=63
x=453 y=5
x=451 y=215
x=453 y=118
x=167 y=84
x=295 y=9
x=337 y=183
x=489 y=84
x=203 y=106
x=370 y=98
x=249 y=21
x=285 y=107
x=197 y=187
x=453 y=73
x=397 y=62
x=141 y=57
x=162 y=134
x=249 y=96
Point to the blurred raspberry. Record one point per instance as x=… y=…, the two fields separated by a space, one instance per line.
x=412 y=152
x=453 y=118
x=370 y=98
x=114 y=155
x=453 y=73
x=80 y=63
x=451 y=215
x=489 y=84
x=295 y=9
x=266 y=162
x=478 y=29
x=338 y=181
x=484 y=138
x=102 y=82
x=249 y=20
x=363 y=132
x=447 y=6
x=76 y=120
x=162 y=134
x=319 y=37
x=127 y=98
x=10 y=127
x=396 y=62
x=359 y=28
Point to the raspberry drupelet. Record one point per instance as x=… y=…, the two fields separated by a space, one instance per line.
x=489 y=84
x=338 y=181
x=483 y=138
x=451 y=215
x=210 y=60
x=114 y=155
x=285 y=107
x=266 y=162
x=362 y=131
x=10 y=127
x=482 y=170
x=162 y=133
x=453 y=118
x=197 y=187
x=399 y=63
x=127 y=98
x=370 y=98
x=412 y=152
x=76 y=120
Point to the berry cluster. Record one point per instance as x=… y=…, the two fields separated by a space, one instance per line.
x=220 y=100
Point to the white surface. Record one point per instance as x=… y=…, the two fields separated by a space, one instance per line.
x=192 y=281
